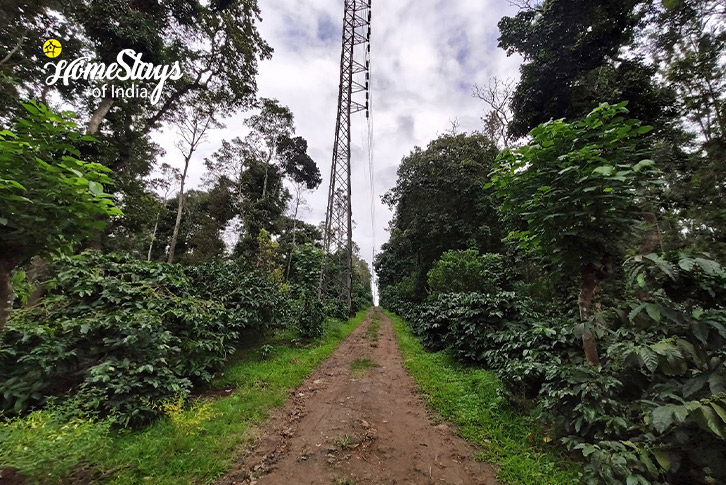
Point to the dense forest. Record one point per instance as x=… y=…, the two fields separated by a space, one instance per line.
x=575 y=247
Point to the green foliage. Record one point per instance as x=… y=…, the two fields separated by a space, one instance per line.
x=311 y=316
x=305 y=271
x=362 y=291
x=462 y=321
x=121 y=335
x=206 y=215
x=251 y=299
x=49 y=198
x=573 y=59
x=191 y=444
x=578 y=186
x=467 y=271
x=50 y=442
x=654 y=410
x=476 y=401
x=438 y=206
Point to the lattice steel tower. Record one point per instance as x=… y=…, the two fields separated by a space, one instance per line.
x=354 y=81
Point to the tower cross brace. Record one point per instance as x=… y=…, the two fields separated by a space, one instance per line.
x=354 y=80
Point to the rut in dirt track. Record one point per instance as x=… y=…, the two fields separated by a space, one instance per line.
x=365 y=426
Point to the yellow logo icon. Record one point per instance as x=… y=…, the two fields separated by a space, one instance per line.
x=52 y=48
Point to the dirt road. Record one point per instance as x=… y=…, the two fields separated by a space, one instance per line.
x=359 y=420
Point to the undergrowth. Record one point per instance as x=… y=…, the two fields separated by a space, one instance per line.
x=195 y=442
x=474 y=400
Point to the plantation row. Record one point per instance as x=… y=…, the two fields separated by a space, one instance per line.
x=117 y=337
x=577 y=246
x=615 y=343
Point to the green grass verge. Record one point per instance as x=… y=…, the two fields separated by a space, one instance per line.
x=373 y=328
x=192 y=445
x=474 y=400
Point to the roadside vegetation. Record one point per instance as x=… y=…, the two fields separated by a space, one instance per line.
x=124 y=294
x=564 y=265
x=575 y=249
x=195 y=440
x=475 y=400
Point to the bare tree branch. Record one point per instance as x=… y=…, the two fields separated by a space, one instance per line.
x=497 y=96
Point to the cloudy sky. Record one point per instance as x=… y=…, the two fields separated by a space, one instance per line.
x=425 y=57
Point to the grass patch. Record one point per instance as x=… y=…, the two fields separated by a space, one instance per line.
x=193 y=444
x=373 y=329
x=360 y=366
x=345 y=442
x=474 y=400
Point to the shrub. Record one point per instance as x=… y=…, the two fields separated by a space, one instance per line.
x=311 y=316
x=251 y=299
x=464 y=321
x=466 y=272
x=655 y=411
x=124 y=334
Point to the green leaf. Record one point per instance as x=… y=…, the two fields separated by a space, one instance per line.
x=663 y=458
x=643 y=164
x=636 y=311
x=709 y=267
x=605 y=170
x=641 y=280
x=717 y=383
x=654 y=311
x=694 y=385
x=707 y=418
x=650 y=358
x=720 y=411
x=95 y=188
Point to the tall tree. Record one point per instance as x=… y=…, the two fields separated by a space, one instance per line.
x=579 y=188
x=687 y=41
x=574 y=59
x=259 y=164
x=267 y=129
x=304 y=174
x=170 y=177
x=497 y=96
x=216 y=43
x=193 y=127
x=439 y=205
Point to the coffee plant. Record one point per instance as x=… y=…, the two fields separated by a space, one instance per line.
x=120 y=335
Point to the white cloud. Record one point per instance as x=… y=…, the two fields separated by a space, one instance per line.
x=426 y=55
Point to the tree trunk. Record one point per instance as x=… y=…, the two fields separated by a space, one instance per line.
x=652 y=237
x=175 y=235
x=588 y=286
x=267 y=172
x=92 y=128
x=153 y=236
x=38 y=273
x=99 y=115
x=14 y=49
x=6 y=292
x=294 y=233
